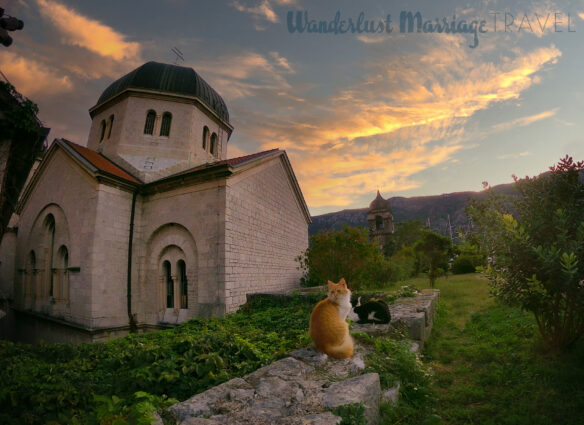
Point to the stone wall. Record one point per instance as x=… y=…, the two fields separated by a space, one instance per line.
x=265 y=231
x=306 y=387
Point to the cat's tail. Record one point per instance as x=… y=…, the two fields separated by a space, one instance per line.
x=342 y=351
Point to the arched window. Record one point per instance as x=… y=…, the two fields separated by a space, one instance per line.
x=205 y=137
x=169 y=284
x=50 y=244
x=62 y=281
x=149 y=125
x=101 y=130
x=165 y=127
x=184 y=296
x=110 y=125
x=213 y=147
x=378 y=223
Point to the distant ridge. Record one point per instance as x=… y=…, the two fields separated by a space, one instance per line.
x=435 y=208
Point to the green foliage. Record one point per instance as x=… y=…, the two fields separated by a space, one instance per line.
x=537 y=259
x=125 y=379
x=406 y=234
x=352 y=414
x=394 y=361
x=137 y=410
x=434 y=250
x=344 y=254
x=22 y=118
x=404 y=263
x=463 y=264
x=488 y=370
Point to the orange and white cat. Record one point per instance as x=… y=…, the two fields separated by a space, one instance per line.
x=328 y=329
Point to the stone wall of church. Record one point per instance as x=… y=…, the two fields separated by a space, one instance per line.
x=109 y=257
x=154 y=156
x=265 y=232
x=189 y=218
x=72 y=207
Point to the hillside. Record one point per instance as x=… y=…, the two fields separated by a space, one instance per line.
x=436 y=209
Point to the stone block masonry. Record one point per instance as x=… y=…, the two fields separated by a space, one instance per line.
x=306 y=387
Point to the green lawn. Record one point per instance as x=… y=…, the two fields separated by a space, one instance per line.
x=489 y=367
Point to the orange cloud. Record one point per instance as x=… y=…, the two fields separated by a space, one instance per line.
x=87 y=33
x=525 y=121
x=33 y=78
x=400 y=118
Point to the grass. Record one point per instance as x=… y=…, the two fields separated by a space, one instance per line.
x=489 y=367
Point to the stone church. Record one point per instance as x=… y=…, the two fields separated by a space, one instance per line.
x=150 y=224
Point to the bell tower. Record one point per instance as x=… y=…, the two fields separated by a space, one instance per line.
x=380 y=221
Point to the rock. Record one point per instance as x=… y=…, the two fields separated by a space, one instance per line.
x=241 y=395
x=157 y=419
x=309 y=355
x=269 y=407
x=202 y=404
x=344 y=367
x=321 y=419
x=364 y=389
x=392 y=394
x=287 y=369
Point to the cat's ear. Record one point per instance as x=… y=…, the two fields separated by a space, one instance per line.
x=342 y=282
x=330 y=283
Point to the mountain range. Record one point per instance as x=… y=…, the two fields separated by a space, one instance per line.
x=442 y=213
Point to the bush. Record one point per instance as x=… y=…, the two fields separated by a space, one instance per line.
x=124 y=380
x=537 y=257
x=404 y=264
x=434 y=251
x=345 y=254
x=463 y=264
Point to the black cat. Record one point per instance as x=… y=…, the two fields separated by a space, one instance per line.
x=373 y=311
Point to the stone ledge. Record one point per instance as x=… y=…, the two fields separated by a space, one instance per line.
x=303 y=388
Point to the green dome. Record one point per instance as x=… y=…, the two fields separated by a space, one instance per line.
x=170 y=79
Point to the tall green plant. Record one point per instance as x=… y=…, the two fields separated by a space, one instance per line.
x=434 y=251
x=345 y=254
x=537 y=253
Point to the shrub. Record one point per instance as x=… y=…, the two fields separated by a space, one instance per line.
x=537 y=257
x=434 y=251
x=345 y=254
x=463 y=264
x=404 y=264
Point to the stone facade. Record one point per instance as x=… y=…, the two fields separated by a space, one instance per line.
x=105 y=245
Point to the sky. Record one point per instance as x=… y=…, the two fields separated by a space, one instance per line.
x=358 y=107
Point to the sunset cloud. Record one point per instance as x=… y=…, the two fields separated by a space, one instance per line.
x=33 y=78
x=262 y=11
x=525 y=121
x=247 y=73
x=90 y=34
x=400 y=118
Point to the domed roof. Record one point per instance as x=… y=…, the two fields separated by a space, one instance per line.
x=379 y=203
x=168 y=78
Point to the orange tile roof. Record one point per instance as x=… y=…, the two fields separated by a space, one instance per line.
x=107 y=166
x=233 y=162
x=101 y=162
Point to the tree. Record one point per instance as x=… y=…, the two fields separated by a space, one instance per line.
x=434 y=251
x=347 y=253
x=536 y=249
x=407 y=233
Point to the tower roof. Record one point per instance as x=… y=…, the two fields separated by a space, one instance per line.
x=379 y=203
x=166 y=78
